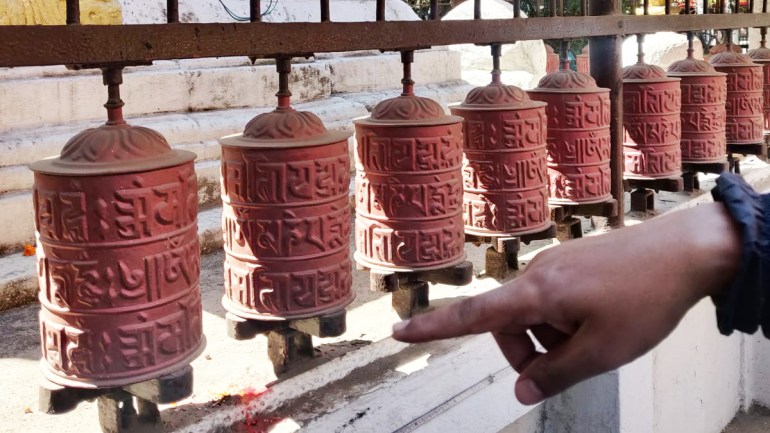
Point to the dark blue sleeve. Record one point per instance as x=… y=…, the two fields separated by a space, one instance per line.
x=743 y=305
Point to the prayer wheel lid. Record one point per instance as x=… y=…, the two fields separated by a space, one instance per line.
x=113 y=149
x=284 y=127
x=497 y=96
x=760 y=55
x=643 y=72
x=691 y=66
x=568 y=81
x=731 y=58
x=406 y=110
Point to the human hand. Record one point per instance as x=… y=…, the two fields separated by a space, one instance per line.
x=596 y=303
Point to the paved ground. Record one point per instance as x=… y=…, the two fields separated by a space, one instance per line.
x=757 y=420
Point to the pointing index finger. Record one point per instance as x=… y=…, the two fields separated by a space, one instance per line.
x=512 y=302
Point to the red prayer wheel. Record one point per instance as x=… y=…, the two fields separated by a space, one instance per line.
x=761 y=56
x=583 y=61
x=578 y=137
x=652 y=105
x=286 y=216
x=118 y=256
x=745 y=103
x=704 y=92
x=409 y=189
x=551 y=60
x=504 y=171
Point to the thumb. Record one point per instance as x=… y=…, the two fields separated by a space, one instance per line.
x=553 y=372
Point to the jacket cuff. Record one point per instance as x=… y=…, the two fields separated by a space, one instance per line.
x=742 y=306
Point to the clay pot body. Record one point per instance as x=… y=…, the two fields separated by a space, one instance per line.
x=286 y=218
x=745 y=101
x=704 y=93
x=505 y=178
x=118 y=258
x=578 y=137
x=409 y=189
x=652 y=105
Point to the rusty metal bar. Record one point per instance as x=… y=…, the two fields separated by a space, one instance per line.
x=255 y=11
x=113 y=78
x=434 y=15
x=646 y=7
x=380 y=10
x=68 y=45
x=476 y=9
x=763 y=30
x=687 y=7
x=517 y=8
x=172 y=11
x=283 y=67
x=606 y=54
x=496 y=50
x=563 y=54
x=407 y=58
x=668 y=6
x=325 y=11
x=73 y=11
x=553 y=8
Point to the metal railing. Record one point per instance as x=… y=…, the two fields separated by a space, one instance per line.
x=84 y=44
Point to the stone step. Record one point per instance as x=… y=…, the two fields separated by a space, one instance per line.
x=42 y=97
x=197 y=132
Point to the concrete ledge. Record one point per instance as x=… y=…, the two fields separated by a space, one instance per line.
x=197 y=132
x=183 y=87
x=363 y=380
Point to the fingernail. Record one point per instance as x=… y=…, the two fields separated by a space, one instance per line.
x=528 y=392
x=398 y=327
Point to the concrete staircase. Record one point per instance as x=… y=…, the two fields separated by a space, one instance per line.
x=192 y=103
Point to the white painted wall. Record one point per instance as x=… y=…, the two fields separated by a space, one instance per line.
x=698 y=383
x=660 y=49
x=153 y=11
x=522 y=63
x=758 y=356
